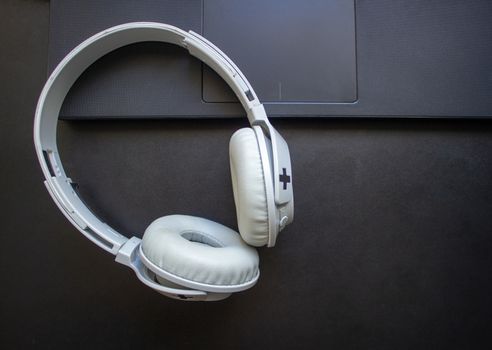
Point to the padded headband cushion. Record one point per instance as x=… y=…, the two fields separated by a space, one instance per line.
x=199 y=250
x=248 y=184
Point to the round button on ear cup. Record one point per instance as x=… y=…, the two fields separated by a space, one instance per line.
x=199 y=253
x=248 y=184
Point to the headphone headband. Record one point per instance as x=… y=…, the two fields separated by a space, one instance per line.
x=72 y=66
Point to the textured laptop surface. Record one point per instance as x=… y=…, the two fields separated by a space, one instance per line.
x=339 y=58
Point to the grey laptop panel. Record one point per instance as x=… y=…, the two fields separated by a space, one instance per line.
x=339 y=58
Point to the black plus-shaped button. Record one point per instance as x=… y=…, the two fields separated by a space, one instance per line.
x=284 y=178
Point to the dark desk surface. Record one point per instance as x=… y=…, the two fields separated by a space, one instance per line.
x=390 y=248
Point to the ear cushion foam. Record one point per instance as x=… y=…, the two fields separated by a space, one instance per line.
x=248 y=184
x=199 y=250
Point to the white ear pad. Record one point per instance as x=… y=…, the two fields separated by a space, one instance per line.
x=199 y=251
x=248 y=184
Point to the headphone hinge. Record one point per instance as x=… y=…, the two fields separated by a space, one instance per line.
x=126 y=253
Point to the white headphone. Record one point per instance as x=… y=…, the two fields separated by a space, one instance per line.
x=180 y=256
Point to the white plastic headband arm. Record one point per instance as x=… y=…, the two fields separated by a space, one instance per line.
x=72 y=66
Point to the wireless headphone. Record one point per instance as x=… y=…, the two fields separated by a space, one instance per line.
x=180 y=256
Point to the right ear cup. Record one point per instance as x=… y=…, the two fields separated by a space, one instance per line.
x=199 y=253
x=248 y=184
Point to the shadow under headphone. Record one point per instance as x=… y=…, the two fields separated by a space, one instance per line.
x=180 y=256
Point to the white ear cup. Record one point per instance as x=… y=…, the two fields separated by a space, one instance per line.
x=248 y=184
x=197 y=250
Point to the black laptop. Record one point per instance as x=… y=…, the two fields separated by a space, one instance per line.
x=316 y=58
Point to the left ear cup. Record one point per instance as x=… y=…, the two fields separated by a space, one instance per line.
x=200 y=251
x=248 y=184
